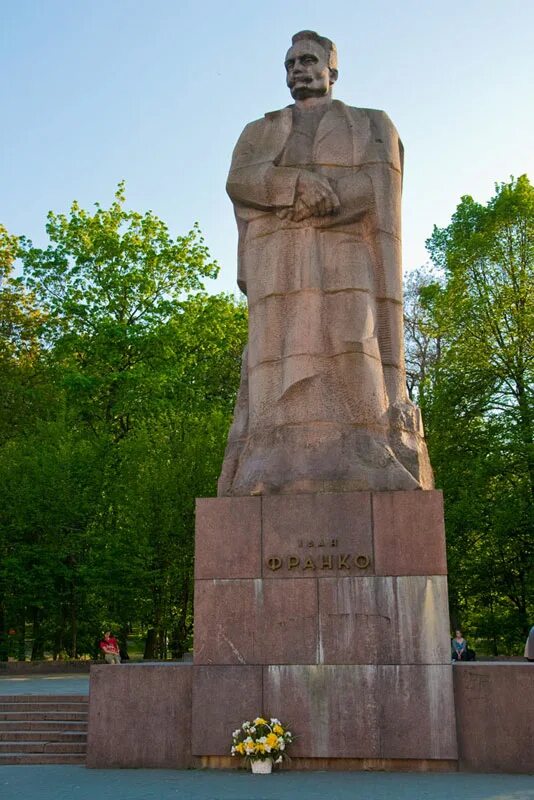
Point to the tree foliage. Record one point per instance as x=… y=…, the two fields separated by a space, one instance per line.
x=123 y=373
x=422 y=337
x=478 y=404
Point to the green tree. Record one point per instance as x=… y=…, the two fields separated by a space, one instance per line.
x=20 y=346
x=479 y=408
x=422 y=342
x=50 y=484
x=25 y=394
x=141 y=368
x=113 y=283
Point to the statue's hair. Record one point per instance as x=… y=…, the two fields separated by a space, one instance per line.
x=327 y=45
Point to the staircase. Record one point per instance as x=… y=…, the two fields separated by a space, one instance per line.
x=43 y=729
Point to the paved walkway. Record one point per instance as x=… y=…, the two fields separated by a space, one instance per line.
x=67 y=783
x=44 y=684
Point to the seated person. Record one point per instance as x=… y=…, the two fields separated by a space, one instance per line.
x=459 y=647
x=110 y=648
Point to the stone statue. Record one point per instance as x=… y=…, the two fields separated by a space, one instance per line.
x=322 y=405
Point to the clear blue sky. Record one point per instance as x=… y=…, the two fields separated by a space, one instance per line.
x=157 y=93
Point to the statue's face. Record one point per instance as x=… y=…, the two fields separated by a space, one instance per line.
x=307 y=71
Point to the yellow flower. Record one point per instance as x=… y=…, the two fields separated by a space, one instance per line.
x=240 y=748
x=260 y=721
x=260 y=747
x=278 y=729
x=272 y=740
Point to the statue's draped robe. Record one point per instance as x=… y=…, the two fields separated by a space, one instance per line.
x=322 y=404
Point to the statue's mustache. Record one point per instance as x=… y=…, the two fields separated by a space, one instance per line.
x=301 y=79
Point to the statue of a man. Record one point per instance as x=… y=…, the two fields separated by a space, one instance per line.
x=316 y=188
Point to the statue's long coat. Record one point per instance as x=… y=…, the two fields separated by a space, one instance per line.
x=322 y=399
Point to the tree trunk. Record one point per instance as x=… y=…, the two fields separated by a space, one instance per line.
x=123 y=641
x=59 y=638
x=150 y=644
x=162 y=642
x=495 y=647
x=4 y=654
x=525 y=425
x=154 y=637
x=177 y=644
x=38 y=637
x=21 y=636
x=179 y=631
x=73 y=626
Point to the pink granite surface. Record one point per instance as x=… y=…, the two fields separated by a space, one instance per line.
x=417 y=718
x=228 y=540
x=332 y=710
x=365 y=711
x=409 y=533
x=256 y=622
x=374 y=620
x=494 y=708
x=140 y=716
x=143 y=716
x=223 y=697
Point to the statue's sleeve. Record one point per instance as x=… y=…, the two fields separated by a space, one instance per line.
x=384 y=168
x=255 y=180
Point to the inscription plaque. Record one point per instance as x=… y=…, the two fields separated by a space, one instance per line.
x=340 y=561
x=317 y=536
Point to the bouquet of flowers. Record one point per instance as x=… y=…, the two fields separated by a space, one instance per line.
x=261 y=739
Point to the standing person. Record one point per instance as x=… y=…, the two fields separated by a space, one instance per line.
x=529 y=645
x=110 y=648
x=459 y=647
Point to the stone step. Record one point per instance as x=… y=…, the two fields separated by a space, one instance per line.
x=59 y=735
x=42 y=706
x=43 y=729
x=55 y=748
x=44 y=698
x=41 y=758
x=43 y=725
x=19 y=716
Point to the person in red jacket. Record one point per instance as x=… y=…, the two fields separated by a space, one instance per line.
x=110 y=648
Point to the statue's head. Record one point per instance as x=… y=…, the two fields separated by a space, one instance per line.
x=311 y=65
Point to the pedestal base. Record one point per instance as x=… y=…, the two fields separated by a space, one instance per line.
x=349 y=711
x=331 y=613
x=140 y=717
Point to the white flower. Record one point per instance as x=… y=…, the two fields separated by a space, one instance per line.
x=236 y=733
x=278 y=760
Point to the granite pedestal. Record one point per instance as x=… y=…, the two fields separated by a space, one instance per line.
x=329 y=611
x=140 y=716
